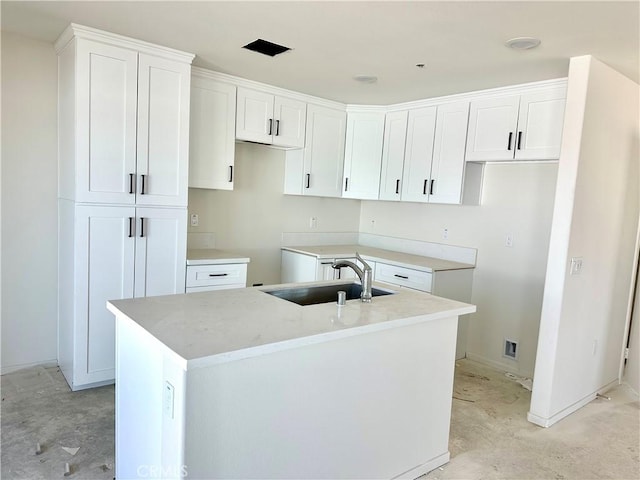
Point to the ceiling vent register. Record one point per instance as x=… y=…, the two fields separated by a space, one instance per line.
x=266 y=48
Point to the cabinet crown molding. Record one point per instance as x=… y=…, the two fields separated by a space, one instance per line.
x=80 y=31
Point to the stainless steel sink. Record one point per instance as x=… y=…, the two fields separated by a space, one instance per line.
x=323 y=293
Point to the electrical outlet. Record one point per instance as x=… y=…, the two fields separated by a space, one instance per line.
x=313 y=222
x=576 y=266
x=373 y=224
x=508 y=240
x=195 y=220
x=445 y=233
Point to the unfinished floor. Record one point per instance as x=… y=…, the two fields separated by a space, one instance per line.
x=490 y=436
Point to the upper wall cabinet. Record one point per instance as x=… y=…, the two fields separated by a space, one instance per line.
x=270 y=119
x=363 y=155
x=212 y=133
x=395 y=136
x=317 y=170
x=518 y=127
x=423 y=156
x=124 y=122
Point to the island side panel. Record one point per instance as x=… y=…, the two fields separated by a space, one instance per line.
x=150 y=388
x=375 y=405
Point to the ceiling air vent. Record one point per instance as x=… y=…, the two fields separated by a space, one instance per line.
x=266 y=48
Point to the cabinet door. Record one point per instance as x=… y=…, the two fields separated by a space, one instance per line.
x=104 y=271
x=363 y=155
x=540 y=124
x=105 y=123
x=492 y=129
x=324 y=152
x=418 y=154
x=395 y=136
x=212 y=134
x=254 y=116
x=290 y=119
x=163 y=131
x=161 y=251
x=447 y=167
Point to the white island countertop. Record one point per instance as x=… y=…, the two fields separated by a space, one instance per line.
x=213 y=256
x=206 y=328
x=427 y=264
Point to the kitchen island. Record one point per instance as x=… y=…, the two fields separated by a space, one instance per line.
x=243 y=384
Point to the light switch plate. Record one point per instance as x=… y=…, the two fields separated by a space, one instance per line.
x=576 y=266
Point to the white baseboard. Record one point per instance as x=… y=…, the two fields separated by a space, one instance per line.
x=547 y=422
x=425 y=467
x=499 y=365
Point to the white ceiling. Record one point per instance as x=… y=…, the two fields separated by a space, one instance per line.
x=461 y=43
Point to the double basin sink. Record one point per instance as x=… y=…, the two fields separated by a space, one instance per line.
x=315 y=294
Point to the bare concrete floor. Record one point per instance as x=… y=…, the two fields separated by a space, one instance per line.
x=492 y=439
x=39 y=407
x=490 y=436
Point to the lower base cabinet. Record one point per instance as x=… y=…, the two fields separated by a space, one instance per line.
x=203 y=278
x=108 y=253
x=297 y=268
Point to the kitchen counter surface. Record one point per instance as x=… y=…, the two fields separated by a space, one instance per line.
x=213 y=256
x=427 y=264
x=220 y=326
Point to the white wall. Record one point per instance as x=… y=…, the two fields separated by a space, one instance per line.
x=29 y=211
x=250 y=219
x=583 y=320
x=508 y=282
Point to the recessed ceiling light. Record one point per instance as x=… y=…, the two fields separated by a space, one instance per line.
x=523 y=43
x=366 y=78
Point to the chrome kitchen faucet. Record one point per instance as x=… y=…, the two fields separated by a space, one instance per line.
x=365 y=275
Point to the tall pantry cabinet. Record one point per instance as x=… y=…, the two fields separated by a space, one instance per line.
x=123 y=146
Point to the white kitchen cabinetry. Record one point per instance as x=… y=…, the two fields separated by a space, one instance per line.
x=124 y=125
x=270 y=119
x=123 y=160
x=297 y=267
x=111 y=252
x=363 y=155
x=433 y=156
x=317 y=170
x=395 y=137
x=212 y=133
x=517 y=127
x=201 y=278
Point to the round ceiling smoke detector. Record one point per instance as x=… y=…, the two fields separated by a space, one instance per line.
x=366 y=78
x=523 y=43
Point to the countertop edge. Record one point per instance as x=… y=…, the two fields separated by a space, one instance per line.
x=290 y=344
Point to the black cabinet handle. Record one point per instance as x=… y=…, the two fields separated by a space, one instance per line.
x=218 y=274
x=346 y=184
x=141 y=227
x=404 y=277
x=144 y=183
x=431 y=187
x=424 y=186
x=509 y=142
x=519 y=139
x=270 y=126
x=277 y=127
x=131 y=223
x=230 y=173
x=308 y=181
x=132 y=177
x=397 y=186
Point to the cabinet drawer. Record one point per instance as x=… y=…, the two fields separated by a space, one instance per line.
x=404 y=277
x=217 y=275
